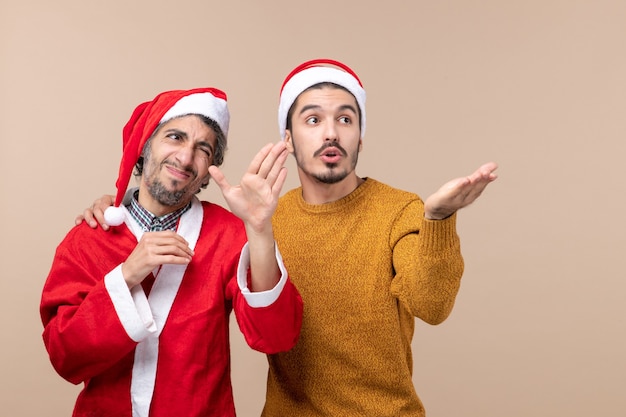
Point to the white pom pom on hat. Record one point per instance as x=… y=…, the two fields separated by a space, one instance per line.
x=206 y=101
x=314 y=72
x=114 y=216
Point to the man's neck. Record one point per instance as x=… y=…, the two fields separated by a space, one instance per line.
x=151 y=223
x=316 y=192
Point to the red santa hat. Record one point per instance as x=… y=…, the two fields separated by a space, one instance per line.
x=209 y=102
x=314 y=72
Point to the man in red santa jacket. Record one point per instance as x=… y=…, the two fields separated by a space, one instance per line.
x=140 y=313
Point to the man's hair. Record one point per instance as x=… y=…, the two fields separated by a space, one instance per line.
x=319 y=86
x=218 y=153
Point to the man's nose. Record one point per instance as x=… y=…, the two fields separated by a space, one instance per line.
x=184 y=155
x=331 y=133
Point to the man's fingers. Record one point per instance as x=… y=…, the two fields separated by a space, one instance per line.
x=164 y=238
x=219 y=178
x=178 y=251
x=278 y=168
x=163 y=254
x=474 y=185
x=486 y=171
x=270 y=159
x=89 y=218
x=257 y=162
x=174 y=260
x=94 y=215
x=280 y=181
x=174 y=245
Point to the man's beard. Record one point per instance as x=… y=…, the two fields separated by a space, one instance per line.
x=165 y=197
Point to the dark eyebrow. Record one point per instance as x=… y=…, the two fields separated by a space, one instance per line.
x=349 y=107
x=176 y=131
x=309 y=107
x=184 y=135
x=341 y=108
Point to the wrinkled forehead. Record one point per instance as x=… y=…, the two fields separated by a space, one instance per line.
x=189 y=121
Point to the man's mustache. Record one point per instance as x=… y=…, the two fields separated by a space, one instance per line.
x=327 y=145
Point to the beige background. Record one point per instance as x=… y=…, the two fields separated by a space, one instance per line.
x=538 y=86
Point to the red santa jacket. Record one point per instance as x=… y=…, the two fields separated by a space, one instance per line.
x=166 y=353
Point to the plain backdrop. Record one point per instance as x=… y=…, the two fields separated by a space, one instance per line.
x=538 y=86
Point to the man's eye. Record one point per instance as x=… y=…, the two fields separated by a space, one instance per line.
x=312 y=120
x=345 y=120
x=174 y=136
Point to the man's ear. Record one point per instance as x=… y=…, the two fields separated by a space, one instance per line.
x=360 y=145
x=288 y=141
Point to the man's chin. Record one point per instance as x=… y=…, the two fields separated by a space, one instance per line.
x=331 y=178
x=170 y=198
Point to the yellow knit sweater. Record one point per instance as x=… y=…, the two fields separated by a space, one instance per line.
x=365 y=265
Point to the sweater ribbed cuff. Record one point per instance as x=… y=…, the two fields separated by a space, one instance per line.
x=439 y=235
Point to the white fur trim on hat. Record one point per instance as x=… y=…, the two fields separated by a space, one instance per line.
x=205 y=104
x=315 y=75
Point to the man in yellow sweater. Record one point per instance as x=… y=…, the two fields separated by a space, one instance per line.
x=366 y=258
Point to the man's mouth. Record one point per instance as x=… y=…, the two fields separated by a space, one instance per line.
x=331 y=149
x=331 y=153
x=181 y=174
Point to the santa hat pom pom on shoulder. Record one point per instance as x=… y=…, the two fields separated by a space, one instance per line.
x=114 y=216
